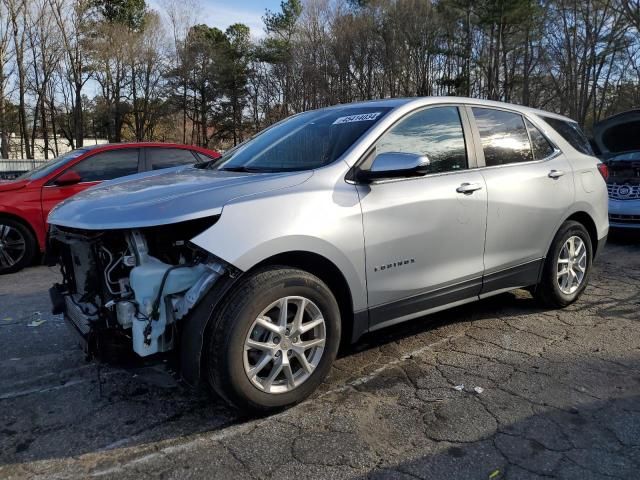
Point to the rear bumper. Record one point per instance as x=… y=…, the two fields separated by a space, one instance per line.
x=613 y=223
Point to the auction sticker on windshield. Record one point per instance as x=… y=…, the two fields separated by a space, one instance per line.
x=363 y=117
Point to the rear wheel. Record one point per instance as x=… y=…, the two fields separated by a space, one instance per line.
x=17 y=246
x=275 y=339
x=567 y=266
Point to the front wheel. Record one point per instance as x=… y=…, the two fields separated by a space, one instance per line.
x=18 y=246
x=567 y=266
x=275 y=338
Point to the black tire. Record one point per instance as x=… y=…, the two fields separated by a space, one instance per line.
x=548 y=291
x=224 y=365
x=17 y=232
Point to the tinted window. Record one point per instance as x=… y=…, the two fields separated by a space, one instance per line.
x=571 y=132
x=108 y=165
x=434 y=132
x=47 y=168
x=503 y=135
x=542 y=148
x=168 y=157
x=305 y=141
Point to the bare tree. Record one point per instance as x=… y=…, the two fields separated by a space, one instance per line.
x=71 y=18
x=110 y=49
x=147 y=56
x=45 y=46
x=6 y=71
x=587 y=36
x=182 y=15
x=17 y=10
x=162 y=76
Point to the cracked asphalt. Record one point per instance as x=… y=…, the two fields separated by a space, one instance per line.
x=560 y=398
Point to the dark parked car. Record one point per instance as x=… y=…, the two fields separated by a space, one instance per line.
x=26 y=201
x=617 y=140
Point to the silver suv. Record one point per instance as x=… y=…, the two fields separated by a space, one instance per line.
x=251 y=270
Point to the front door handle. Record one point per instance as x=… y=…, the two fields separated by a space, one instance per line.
x=556 y=173
x=468 y=188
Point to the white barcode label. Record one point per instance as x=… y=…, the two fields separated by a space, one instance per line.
x=363 y=117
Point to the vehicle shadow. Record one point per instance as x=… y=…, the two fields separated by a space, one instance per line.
x=621 y=236
x=85 y=407
x=594 y=440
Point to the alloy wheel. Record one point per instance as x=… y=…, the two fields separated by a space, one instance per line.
x=572 y=265
x=284 y=345
x=12 y=246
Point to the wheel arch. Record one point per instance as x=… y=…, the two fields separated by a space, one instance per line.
x=585 y=219
x=198 y=326
x=329 y=273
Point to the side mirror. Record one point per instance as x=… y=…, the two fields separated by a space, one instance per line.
x=70 y=177
x=395 y=165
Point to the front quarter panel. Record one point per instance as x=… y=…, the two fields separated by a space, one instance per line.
x=25 y=204
x=321 y=216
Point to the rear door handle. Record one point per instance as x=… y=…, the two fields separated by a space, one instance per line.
x=468 y=188
x=556 y=173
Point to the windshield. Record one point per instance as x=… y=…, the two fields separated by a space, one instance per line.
x=303 y=142
x=48 y=167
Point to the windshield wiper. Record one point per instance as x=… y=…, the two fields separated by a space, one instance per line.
x=242 y=169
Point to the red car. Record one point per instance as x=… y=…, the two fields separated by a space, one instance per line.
x=26 y=201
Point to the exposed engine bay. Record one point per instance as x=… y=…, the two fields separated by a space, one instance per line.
x=623 y=171
x=128 y=290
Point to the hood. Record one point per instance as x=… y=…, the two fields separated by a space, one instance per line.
x=11 y=185
x=151 y=199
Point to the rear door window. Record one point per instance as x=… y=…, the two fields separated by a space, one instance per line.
x=503 y=135
x=108 y=165
x=159 y=157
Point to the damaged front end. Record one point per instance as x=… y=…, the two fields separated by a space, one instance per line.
x=129 y=291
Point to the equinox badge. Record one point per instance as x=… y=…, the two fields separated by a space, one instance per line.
x=399 y=263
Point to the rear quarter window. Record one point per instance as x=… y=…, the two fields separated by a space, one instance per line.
x=572 y=133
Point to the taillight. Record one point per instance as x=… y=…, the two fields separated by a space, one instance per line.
x=604 y=170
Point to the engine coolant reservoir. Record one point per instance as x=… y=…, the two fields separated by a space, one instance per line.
x=145 y=282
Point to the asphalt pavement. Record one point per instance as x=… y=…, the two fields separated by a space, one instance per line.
x=497 y=389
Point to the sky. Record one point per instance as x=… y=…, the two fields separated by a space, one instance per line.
x=222 y=13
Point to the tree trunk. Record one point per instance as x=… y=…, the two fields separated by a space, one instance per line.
x=53 y=127
x=78 y=117
x=4 y=134
x=18 y=40
x=44 y=128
